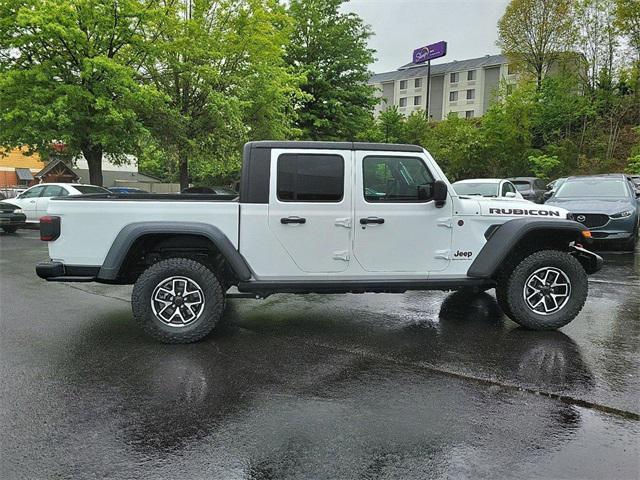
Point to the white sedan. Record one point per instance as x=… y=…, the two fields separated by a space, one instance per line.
x=488 y=187
x=35 y=200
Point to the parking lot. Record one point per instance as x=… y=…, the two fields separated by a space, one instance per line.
x=419 y=385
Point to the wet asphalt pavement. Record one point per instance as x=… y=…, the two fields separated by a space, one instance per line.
x=419 y=385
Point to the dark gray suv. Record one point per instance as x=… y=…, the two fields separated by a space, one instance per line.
x=606 y=204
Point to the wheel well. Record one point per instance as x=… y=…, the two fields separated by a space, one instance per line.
x=150 y=248
x=543 y=239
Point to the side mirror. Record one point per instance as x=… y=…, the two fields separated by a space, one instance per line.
x=436 y=191
x=510 y=195
x=439 y=193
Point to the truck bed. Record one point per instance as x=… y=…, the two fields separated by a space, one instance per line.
x=90 y=223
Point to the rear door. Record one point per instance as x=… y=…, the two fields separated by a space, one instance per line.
x=310 y=207
x=42 y=202
x=396 y=232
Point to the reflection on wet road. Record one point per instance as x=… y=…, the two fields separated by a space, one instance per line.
x=421 y=385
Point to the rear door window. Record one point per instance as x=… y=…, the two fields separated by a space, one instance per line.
x=90 y=189
x=55 y=191
x=309 y=177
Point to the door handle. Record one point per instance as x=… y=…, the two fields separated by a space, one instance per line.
x=287 y=220
x=368 y=220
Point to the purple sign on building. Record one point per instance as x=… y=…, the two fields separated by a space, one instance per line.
x=435 y=50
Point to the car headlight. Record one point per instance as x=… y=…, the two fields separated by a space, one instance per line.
x=625 y=214
x=17 y=210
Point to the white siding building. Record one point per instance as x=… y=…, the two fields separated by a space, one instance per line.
x=466 y=87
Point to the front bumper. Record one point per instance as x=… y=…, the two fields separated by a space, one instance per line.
x=53 y=271
x=12 y=219
x=591 y=262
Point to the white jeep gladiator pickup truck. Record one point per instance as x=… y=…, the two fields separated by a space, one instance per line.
x=319 y=217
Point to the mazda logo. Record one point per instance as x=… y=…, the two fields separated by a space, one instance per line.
x=581 y=218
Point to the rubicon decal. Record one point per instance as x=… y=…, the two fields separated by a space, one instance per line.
x=523 y=211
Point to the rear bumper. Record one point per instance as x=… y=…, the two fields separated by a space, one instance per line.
x=53 y=271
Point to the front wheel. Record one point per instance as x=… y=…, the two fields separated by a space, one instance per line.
x=546 y=290
x=177 y=300
x=10 y=229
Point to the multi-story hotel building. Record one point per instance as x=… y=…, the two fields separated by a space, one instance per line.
x=466 y=87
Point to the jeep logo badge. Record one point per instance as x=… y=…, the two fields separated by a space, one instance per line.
x=581 y=218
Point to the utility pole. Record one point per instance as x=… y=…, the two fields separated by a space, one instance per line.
x=426 y=112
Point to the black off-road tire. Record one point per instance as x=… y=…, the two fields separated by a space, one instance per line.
x=214 y=300
x=10 y=229
x=512 y=294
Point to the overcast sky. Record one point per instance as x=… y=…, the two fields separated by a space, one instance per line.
x=468 y=26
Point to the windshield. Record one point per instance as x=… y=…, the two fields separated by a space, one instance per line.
x=484 y=189
x=90 y=189
x=592 y=188
x=522 y=186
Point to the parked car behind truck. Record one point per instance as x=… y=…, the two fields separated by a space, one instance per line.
x=319 y=217
x=606 y=204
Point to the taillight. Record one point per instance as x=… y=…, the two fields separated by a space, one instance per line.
x=49 y=228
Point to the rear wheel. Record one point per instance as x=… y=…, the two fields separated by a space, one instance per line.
x=177 y=300
x=10 y=229
x=545 y=291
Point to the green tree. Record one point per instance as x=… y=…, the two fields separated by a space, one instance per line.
x=628 y=21
x=221 y=66
x=544 y=166
x=68 y=74
x=330 y=48
x=536 y=33
x=391 y=125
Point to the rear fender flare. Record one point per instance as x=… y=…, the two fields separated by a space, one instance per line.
x=128 y=235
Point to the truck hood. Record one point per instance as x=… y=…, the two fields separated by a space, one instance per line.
x=523 y=208
x=608 y=206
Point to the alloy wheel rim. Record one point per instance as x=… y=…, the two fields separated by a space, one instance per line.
x=547 y=290
x=177 y=301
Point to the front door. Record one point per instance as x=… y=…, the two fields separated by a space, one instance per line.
x=395 y=231
x=28 y=202
x=310 y=208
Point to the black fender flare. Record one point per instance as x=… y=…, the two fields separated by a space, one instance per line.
x=505 y=237
x=129 y=234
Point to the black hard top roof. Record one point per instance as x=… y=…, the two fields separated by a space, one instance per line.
x=383 y=147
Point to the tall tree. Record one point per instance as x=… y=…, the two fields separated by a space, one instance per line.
x=67 y=74
x=628 y=21
x=536 y=33
x=597 y=37
x=330 y=48
x=221 y=66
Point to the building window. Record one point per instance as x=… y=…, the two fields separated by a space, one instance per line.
x=468 y=114
x=403 y=102
x=310 y=177
x=453 y=96
x=511 y=69
x=471 y=75
x=509 y=88
x=417 y=100
x=455 y=77
x=403 y=84
x=471 y=94
x=417 y=83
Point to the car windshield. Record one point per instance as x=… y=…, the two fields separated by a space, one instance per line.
x=479 y=188
x=522 y=186
x=592 y=188
x=90 y=189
